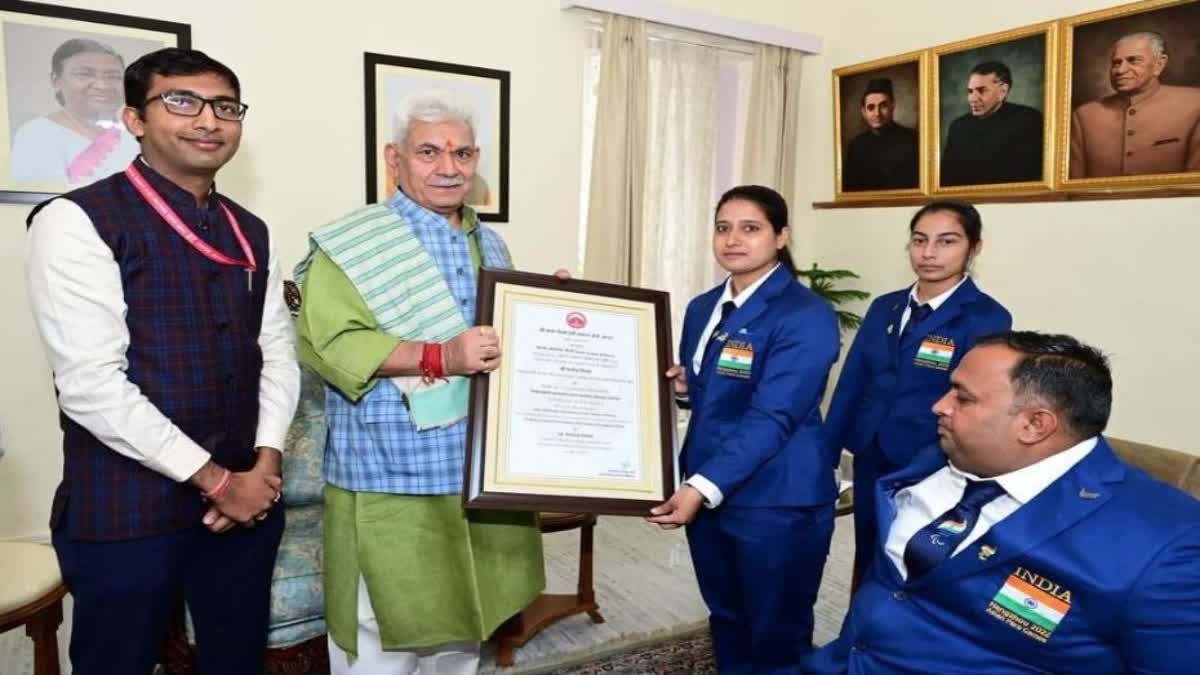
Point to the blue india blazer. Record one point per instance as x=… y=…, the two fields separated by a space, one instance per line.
x=757 y=435
x=1124 y=546
x=883 y=391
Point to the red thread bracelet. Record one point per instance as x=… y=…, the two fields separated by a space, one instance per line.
x=432 y=367
x=438 y=362
x=426 y=373
x=221 y=487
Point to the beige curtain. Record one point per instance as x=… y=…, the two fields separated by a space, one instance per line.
x=614 y=224
x=772 y=121
x=681 y=149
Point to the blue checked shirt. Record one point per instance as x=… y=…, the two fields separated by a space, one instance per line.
x=373 y=445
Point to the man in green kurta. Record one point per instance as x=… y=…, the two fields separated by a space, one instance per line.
x=413 y=582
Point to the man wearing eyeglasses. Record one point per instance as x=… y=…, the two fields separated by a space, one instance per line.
x=160 y=302
x=412 y=582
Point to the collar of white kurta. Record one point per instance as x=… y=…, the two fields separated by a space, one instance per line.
x=400 y=283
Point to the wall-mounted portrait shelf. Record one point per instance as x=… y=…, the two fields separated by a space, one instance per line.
x=1048 y=119
x=1018 y=197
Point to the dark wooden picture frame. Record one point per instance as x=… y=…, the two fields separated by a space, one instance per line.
x=474 y=495
x=404 y=76
x=45 y=29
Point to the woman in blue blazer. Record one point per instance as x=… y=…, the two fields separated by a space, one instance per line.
x=901 y=358
x=759 y=489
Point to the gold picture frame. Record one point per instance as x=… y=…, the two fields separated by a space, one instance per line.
x=1092 y=109
x=1031 y=53
x=908 y=74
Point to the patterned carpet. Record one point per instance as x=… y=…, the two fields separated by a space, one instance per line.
x=574 y=646
x=690 y=654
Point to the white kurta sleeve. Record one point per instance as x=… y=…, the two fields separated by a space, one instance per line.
x=279 y=385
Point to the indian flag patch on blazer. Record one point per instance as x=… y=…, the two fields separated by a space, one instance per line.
x=736 y=359
x=935 y=352
x=1031 y=603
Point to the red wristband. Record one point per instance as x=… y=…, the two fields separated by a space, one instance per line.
x=221 y=487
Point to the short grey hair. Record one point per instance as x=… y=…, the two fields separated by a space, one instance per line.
x=434 y=107
x=1158 y=44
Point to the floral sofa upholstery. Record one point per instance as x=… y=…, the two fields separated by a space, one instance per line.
x=297 y=601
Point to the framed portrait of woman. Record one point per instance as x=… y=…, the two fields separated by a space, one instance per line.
x=62 y=91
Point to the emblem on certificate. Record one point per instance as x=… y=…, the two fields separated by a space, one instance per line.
x=578 y=417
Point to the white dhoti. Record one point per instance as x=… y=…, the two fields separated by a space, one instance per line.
x=455 y=658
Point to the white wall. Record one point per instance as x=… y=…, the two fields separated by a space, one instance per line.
x=301 y=160
x=1117 y=274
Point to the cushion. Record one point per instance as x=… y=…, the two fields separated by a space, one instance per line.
x=302 y=483
x=27 y=573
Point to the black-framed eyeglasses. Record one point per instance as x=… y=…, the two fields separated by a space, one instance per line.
x=190 y=104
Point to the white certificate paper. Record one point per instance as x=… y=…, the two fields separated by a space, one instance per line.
x=574 y=395
x=578 y=416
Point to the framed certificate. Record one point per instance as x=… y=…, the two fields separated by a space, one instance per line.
x=578 y=417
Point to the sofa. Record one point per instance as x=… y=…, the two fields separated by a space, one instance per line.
x=1179 y=469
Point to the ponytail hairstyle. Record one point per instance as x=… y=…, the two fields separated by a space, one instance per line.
x=773 y=206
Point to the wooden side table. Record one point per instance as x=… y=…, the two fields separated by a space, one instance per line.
x=550 y=607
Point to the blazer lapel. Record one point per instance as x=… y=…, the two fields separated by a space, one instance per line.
x=895 y=313
x=1071 y=498
x=949 y=310
x=699 y=319
x=754 y=307
x=927 y=461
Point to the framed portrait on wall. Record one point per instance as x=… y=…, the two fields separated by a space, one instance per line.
x=62 y=91
x=1131 y=93
x=992 y=112
x=879 y=113
x=391 y=81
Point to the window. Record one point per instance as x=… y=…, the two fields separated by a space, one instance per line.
x=696 y=120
